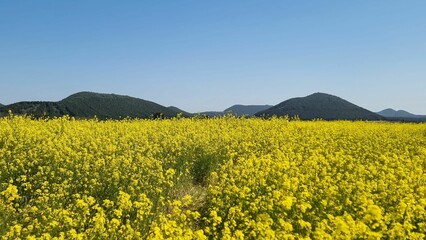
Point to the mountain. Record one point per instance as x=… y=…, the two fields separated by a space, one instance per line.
x=211 y=113
x=112 y=106
x=238 y=110
x=389 y=112
x=89 y=104
x=248 y=110
x=35 y=108
x=178 y=110
x=401 y=115
x=320 y=105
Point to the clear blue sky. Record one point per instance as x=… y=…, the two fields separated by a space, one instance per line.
x=209 y=55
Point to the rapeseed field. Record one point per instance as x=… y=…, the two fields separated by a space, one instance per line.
x=220 y=178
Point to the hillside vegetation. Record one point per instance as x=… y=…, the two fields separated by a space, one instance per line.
x=88 y=105
x=401 y=115
x=113 y=106
x=320 y=105
x=248 y=110
x=178 y=110
x=237 y=110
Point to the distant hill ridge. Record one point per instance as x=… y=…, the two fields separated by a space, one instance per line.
x=212 y=113
x=178 y=110
x=90 y=104
x=238 y=110
x=113 y=106
x=401 y=115
x=322 y=106
x=248 y=110
x=389 y=112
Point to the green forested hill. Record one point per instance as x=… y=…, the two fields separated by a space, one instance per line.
x=89 y=104
x=320 y=105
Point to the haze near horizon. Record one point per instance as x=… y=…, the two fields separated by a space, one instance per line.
x=201 y=56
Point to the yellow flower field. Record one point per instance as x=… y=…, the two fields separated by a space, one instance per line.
x=222 y=178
